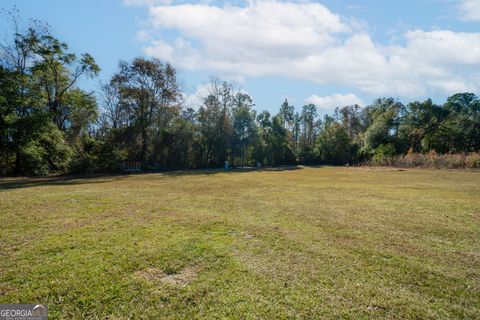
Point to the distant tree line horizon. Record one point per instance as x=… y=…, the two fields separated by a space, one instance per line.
x=49 y=124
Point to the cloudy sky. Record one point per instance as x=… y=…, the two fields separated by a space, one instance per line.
x=330 y=53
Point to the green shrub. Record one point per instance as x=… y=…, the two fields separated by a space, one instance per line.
x=383 y=154
x=42 y=148
x=96 y=156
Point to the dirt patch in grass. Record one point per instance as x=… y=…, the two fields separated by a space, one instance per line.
x=182 y=278
x=242 y=235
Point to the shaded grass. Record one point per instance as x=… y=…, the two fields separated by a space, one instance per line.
x=306 y=243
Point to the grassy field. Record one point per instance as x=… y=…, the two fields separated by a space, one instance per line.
x=306 y=243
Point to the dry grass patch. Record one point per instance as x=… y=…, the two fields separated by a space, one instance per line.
x=183 y=278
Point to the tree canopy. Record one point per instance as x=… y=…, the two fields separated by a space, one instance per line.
x=48 y=123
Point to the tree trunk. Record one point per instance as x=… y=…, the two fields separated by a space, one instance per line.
x=143 y=150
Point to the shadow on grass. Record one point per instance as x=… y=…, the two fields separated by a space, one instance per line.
x=232 y=171
x=22 y=182
x=16 y=183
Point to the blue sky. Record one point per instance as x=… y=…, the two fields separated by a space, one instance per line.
x=330 y=53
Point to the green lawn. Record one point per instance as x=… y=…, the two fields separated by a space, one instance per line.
x=309 y=243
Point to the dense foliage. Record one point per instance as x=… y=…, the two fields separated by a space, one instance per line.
x=49 y=124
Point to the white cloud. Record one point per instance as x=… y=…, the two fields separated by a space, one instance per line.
x=202 y=91
x=143 y=35
x=262 y=29
x=470 y=10
x=329 y=103
x=196 y=99
x=307 y=41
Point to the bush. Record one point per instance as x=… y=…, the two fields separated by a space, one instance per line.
x=384 y=154
x=453 y=161
x=430 y=160
x=473 y=160
x=42 y=148
x=96 y=156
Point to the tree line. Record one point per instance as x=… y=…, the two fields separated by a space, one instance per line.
x=49 y=124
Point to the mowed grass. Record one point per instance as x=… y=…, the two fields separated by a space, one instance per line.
x=309 y=243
